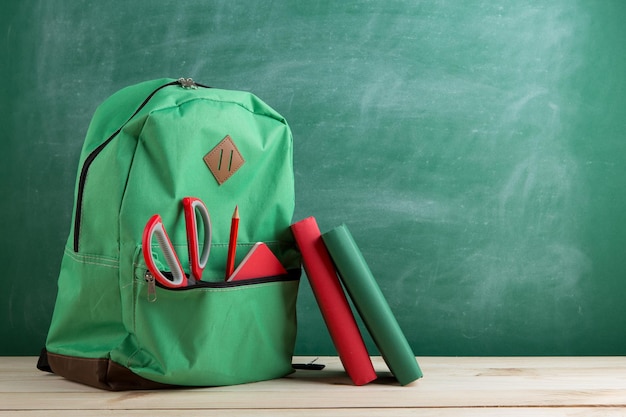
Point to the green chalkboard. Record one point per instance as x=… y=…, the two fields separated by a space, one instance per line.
x=476 y=150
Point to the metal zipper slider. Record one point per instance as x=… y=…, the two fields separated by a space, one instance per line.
x=152 y=295
x=187 y=83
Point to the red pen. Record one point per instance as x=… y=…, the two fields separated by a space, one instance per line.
x=232 y=243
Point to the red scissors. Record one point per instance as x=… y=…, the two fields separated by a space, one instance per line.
x=197 y=260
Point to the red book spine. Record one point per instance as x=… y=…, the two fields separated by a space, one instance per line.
x=333 y=302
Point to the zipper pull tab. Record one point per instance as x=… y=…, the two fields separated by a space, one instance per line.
x=187 y=83
x=152 y=295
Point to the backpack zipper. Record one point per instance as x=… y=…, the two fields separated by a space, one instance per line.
x=292 y=275
x=184 y=83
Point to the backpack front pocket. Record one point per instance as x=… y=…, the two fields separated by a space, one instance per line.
x=213 y=333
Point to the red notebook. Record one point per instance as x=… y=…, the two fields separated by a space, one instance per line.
x=333 y=302
x=259 y=262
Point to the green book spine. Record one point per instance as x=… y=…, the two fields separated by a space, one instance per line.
x=372 y=305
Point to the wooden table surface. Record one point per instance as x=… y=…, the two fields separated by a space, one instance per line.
x=452 y=386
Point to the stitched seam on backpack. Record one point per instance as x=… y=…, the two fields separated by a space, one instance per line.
x=214 y=100
x=93 y=259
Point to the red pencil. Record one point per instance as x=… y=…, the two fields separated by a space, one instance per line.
x=232 y=243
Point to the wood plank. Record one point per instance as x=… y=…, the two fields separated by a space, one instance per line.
x=353 y=412
x=592 y=372
x=181 y=400
x=564 y=384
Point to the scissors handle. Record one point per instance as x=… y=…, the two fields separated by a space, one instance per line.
x=197 y=260
x=154 y=228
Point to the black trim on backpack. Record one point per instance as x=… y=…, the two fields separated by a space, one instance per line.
x=42 y=362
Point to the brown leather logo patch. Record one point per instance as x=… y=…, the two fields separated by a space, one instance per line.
x=224 y=160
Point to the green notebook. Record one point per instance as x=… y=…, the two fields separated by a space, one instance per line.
x=371 y=305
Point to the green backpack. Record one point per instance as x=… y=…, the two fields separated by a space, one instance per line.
x=149 y=146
